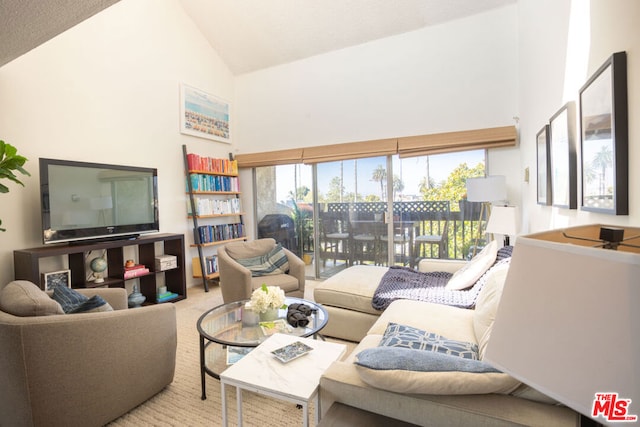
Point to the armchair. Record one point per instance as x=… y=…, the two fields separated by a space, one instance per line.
x=237 y=281
x=84 y=369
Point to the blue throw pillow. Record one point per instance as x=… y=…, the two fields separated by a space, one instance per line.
x=94 y=304
x=273 y=262
x=407 y=359
x=402 y=336
x=68 y=298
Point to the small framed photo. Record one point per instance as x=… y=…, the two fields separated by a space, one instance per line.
x=56 y=278
x=204 y=115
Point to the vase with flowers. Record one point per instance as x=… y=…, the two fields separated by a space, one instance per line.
x=266 y=300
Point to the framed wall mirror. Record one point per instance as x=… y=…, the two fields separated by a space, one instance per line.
x=604 y=139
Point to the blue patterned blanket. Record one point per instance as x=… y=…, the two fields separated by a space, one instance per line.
x=407 y=283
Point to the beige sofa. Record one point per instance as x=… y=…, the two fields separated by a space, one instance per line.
x=83 y=369
x=436 y=398
x=347 y=297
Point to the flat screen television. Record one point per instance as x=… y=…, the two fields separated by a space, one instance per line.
x=92 y=201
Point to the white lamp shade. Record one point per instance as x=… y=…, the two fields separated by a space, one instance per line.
x=487 y=189
x=504 y=220
x=568 y=324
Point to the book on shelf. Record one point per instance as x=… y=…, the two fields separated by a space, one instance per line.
x=210 y=263
x=130 y=274
x=166 y=296
x=210 y=164
x=134 y=267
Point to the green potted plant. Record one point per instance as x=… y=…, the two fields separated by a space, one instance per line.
x=10 y=161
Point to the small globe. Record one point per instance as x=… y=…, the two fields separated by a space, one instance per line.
x=98 y=265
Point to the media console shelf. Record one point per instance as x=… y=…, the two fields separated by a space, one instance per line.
x=26 y=263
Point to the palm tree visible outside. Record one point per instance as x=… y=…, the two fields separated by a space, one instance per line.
x=380 y=175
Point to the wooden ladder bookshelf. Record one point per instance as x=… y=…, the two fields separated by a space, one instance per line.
x=214 y=197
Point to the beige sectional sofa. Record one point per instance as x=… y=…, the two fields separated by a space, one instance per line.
x=429 y=398
x=347 y=297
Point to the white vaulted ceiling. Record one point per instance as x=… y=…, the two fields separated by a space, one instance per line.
x=249 y=35
x=253 y=34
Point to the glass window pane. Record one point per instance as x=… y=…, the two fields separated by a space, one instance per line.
x=285 y=207
x=433 y=195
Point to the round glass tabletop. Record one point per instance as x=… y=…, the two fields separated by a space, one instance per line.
x=224 y=325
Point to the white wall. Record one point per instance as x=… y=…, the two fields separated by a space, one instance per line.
x=456 y=76
x=562 y=43
x=107 y=91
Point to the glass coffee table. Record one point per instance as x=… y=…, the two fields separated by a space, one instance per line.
x=222 y=327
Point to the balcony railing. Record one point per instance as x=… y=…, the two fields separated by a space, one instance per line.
x=356 y=233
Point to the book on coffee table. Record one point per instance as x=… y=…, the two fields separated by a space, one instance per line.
x=273 y=327
x=236 y=353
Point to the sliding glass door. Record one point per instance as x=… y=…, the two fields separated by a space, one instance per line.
x=372 y=211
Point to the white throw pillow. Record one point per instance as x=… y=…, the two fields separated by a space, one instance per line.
x=487 y=305
x=474 y=269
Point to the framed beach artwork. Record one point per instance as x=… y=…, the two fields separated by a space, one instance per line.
x=563 y=163
x=204 y=115
x=604 y=138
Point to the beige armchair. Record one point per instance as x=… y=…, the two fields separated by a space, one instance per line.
x=237 y=282
x=84 y=369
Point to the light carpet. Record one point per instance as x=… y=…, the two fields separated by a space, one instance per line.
x=179 y=404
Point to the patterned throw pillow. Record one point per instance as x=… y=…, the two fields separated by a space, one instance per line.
x=94 y=304
x=73 y=301
x=68 y=298
x=273 y=262
x=402 y=336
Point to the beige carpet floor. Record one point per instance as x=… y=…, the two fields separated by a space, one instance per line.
x=179 y=404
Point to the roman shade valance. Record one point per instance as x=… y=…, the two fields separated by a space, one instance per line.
x=270 y=158
x=477 y=139
x=408 y=146
x=351 y=150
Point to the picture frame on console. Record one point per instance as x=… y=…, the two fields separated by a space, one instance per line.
x=604 y=138
x=544 y=166
x=56 y=278
x=563 y=157
x=204 y=115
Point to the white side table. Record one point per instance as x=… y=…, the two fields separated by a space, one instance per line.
x=296 y=381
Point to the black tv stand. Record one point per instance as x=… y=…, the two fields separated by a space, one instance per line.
x=145 y=248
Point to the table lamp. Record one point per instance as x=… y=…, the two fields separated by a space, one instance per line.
x=504 y=220
x=486 y=190
x=568 y=324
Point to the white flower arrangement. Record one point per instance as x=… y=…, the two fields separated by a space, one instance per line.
x=267 y=297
